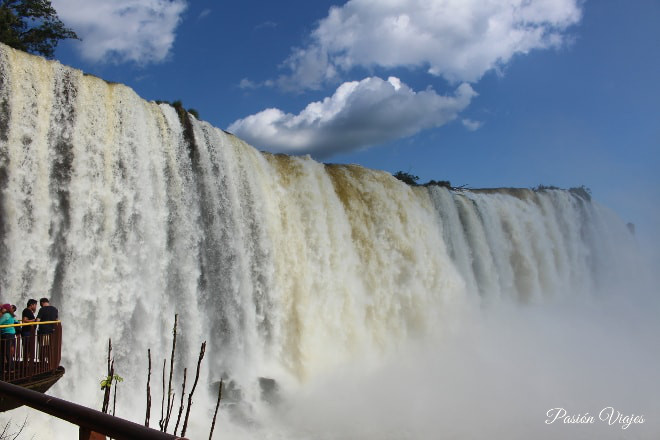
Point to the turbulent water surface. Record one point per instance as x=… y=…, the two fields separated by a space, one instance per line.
x=381 y=310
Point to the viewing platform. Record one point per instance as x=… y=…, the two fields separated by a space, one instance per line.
x=30 y=361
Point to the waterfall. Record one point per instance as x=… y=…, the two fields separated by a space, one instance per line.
x=125 y=212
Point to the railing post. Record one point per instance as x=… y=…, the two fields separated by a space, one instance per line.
x=31 y=345
x=58 y=355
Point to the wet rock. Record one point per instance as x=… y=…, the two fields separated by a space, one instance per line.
x=270 y=390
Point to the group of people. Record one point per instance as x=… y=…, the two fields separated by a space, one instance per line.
x=8 y=334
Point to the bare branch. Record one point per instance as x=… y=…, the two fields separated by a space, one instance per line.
x=170 y=413
x=199 y=363
x=109 y=352
x=108 y=384
x=114 y=398
x=215 y=414
x=170 y=397
x=161 y=423
x=148 y=415
x=183 y=393
x=6 y=435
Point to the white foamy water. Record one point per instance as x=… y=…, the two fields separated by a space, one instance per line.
x=381 y=310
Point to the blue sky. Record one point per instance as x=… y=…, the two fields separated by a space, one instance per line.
x=482 y=93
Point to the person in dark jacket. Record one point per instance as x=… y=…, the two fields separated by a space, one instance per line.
x=46 y=313
x=28 y=330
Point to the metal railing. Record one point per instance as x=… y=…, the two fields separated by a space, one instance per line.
x=89 y=420
x=31 y=353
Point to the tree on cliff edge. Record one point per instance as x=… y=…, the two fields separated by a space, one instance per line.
x=32 y=26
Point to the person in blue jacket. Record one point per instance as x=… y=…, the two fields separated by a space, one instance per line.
x=8 y=337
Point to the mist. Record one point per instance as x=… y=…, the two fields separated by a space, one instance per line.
x=496 y=373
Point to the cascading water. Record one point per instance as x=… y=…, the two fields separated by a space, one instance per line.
x=126 y=212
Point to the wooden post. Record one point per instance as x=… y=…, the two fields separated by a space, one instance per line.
x=86 y=434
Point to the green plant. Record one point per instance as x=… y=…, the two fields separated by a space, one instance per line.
x=107 y=382
x=544 y=187
x=408 y=178
x=32 y=26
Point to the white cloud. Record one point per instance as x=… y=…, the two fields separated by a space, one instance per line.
x=357 y=115
x=205 y=13
x=141 y=31
x=471 y=125
x=247 y=84
x=459 y=40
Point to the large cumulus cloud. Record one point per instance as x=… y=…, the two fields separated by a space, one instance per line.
x=459 y=40
x=357 y=115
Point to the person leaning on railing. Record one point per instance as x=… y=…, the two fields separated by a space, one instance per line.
x=8 y=336
x=46 y=313
x=27 y=330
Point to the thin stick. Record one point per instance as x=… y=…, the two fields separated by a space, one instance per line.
x=148 y=415
x=162 y=403
x=5 y=429
x=108 y=381
x=109 y=351
x=170 y=413
x=183 y=393
x=217 y=404
x=114 y=399
x=108 y=385
x=6 y=435
x=170 y=397
x=199 y=362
